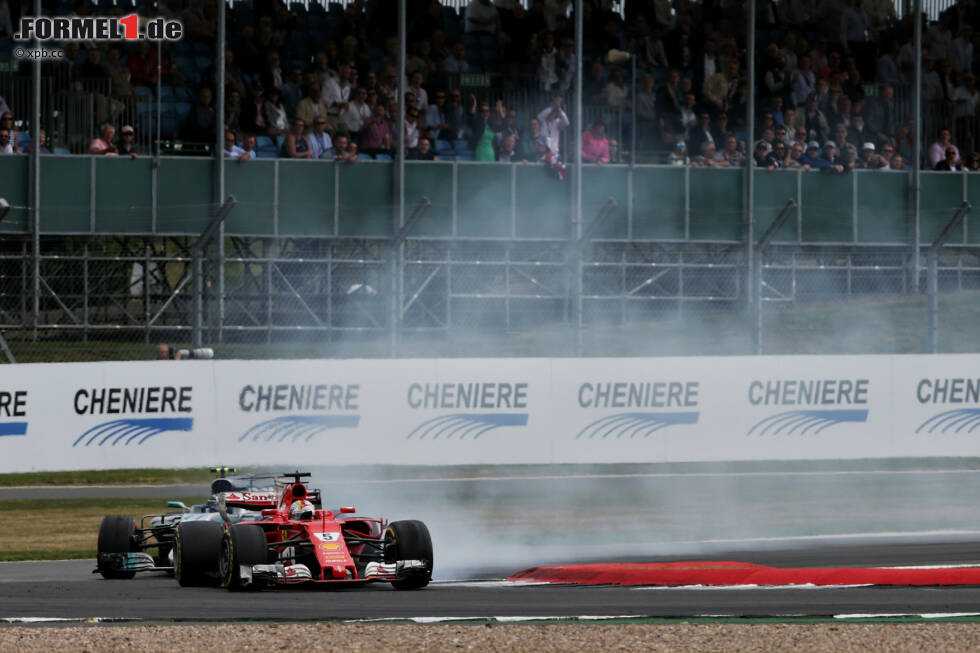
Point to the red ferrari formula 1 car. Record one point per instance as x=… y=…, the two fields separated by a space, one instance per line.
x=297 y=541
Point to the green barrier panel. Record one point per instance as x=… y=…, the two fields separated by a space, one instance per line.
x=66 y=193
x=15 y=189
x=658 y=203
x=184 y=195
x=883 y=206
x=435 y=181
x=942 y=194
x=973 y=197
x=253 y=184
x=306 y=197
x=483 y=196
x=772 y=191
x=598 y=185
x=828 y=207
x=365 y=198
x=543 y=202
x=123 y=194
x=716 y=204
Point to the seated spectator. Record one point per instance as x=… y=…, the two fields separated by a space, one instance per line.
x=527 y=144
x=423 y=152
x=233 y=111
x=614 y=154
x=763 y=158
x=44 y=144
x=248 y=145
x=6 y=146
x=421 y=96
x=412 y=129
x=850 y=159
x=595 y=145
x=731 y=152
x=710 y=157
x=292 y=89
x=972 y=162
x=201 y=122
x=349 y=154
x=828 y=160
x=127 y=142
x=938 y=150
x=678 y=156
x=275 y=113
x=103 y=144
x=7 y=122
x=320 y=142
x=457 y=63
x=897 y=163
x=336 y=96
x=312 y=105
x=358 y=111
x=780 y=153
x=507 y=149
x=232 y=151
x=796 y=152
x=951 y=162
x=811 y=155
x=376 y=134
x=701 y=133
x=296 y=145
x=870 y=159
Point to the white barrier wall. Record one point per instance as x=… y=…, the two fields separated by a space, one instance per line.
x=480 y=411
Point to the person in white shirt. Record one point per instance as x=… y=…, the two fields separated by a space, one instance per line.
x=553 y=121
x=357 y=111
x=232 y=151
x=966 y=98
x=320 y=142
x=337 y=98
x=421 y=97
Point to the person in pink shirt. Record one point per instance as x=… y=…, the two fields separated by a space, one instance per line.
x=104 y=144
x=595 y=145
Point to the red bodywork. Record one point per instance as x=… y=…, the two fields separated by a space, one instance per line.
x=333 y=546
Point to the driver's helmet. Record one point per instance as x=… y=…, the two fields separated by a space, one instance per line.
x=301 y=509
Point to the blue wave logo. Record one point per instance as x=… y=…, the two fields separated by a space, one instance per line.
x=462 y=425
x=804 y=421
x=634 y=424
x=13 y=428
x=126 y=431
x=952 y=420
x=297 y=427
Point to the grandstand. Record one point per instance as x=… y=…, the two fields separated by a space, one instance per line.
x=470 y=222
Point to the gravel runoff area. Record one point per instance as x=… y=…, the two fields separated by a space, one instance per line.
x=495 y=637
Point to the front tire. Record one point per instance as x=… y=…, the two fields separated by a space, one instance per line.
x=241 y=545
x=197 y=550
x=409 y=540
x=117 y=534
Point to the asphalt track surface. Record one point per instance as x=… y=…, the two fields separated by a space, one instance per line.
x=485 y=529
x=68 y=589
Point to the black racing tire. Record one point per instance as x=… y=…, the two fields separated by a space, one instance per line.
x=197 y=550
x=242 y=544
x=409 y=540
x=117 y=534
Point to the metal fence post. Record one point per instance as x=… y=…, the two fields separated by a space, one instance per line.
x=755 y=277
x=396 y=264
x=932 y=272
x=197 y=254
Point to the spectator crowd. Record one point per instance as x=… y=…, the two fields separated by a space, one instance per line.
x=492 y=83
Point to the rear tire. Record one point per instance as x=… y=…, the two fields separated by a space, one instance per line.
x=409 y=540
x=117 y=534
x=197 y=550
x=241 y=545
